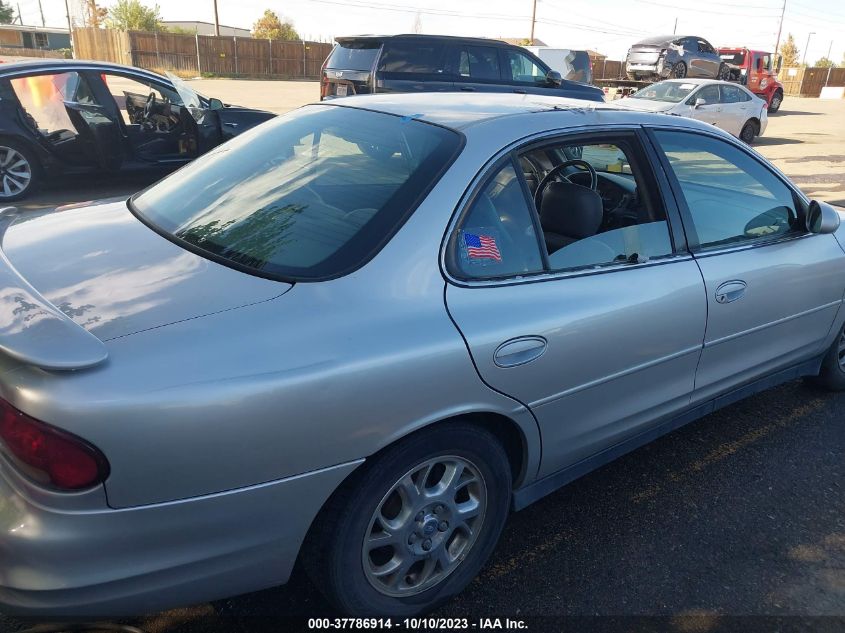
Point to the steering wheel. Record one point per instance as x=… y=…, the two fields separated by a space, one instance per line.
x=541 y=188
x=149 y=106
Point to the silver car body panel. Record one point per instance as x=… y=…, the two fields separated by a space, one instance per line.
x=231 y=407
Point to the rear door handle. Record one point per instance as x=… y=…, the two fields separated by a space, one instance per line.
x=467 y=89
x=730 y=291
x=520 y=91
x=520 y=350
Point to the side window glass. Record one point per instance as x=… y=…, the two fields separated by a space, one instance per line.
x=620 y=221
x=480 y=62
x=412 y=57
x=732 y=94
x=732 y=197
x=521 y=69
x=496 y=237
x=43 y=98
x=710 y=94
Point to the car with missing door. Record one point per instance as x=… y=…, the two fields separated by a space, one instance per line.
x=674 y=56
x=369 y=64
x=361 y=334
x=726 y=105
x=78 y=117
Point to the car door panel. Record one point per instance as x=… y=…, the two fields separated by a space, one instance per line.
x=794 y=290
x=621 y=350
x=101 y=137
x=773 y=290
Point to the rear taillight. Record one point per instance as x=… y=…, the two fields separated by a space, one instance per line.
x=59 y=459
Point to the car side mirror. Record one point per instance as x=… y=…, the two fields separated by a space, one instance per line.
x=215 y=104
x=700 y=102
x=822 y=218
x=553 y=78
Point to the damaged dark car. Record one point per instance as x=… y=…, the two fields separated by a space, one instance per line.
x=65 y=117
x=675 y=57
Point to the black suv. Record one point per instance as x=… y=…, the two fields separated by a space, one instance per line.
x=433 y=63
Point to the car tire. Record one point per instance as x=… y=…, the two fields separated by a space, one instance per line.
x=724 y=73
x=679 y=71
x=832 y=372
x=777 y=100
x=378 y=520
x=748 y=132
x=20 y=171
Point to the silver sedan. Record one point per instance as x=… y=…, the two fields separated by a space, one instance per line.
x=362 y=333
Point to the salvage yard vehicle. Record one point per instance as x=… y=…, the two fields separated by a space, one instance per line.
x=361 y=333
x=726 y=105
x=753 y=69
x=666 y=56
x=433 y=63
x=64 y=117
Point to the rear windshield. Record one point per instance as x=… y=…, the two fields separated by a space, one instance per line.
x=736 y=59
x=309 y=195
x=353 y=56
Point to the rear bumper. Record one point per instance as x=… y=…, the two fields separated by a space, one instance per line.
x=138 y=560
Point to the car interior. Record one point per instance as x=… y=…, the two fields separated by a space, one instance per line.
x=157 y=124
x=590 y=203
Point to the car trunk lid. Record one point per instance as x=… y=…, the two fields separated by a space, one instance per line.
x=100 y=274
x=644 y=54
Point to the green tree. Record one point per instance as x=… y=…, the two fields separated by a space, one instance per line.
x=131 y=15
x=93 y=14
x=270 y=27
x=824 y=62
x=789 y=51
x=7 y=13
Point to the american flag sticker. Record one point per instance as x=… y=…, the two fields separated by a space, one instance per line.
x=481 y=247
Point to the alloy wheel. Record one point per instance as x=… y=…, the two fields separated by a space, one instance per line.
x=679 y=71
x=425 y=526
x=840 y=351
x=15 y=172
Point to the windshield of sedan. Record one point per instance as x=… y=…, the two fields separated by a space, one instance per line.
x=668 y=91
x=308 y=195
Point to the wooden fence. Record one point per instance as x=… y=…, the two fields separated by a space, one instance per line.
x=808 y=82
x=197 y=54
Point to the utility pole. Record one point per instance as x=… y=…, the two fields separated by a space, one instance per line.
x=20 y=19
x=41 y=9
x=216 y=20
x=829 y=68
x=69 y=27
x=675 y=30
x=533 y=20
x=804 y=58
x=780 y=28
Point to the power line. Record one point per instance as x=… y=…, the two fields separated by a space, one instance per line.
x=728 y=13
x=425 y=11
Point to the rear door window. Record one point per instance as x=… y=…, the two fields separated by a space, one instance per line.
x=43 y=97
x=732 y=94
x=479 y=62
x=354 y=56
x=424 y=57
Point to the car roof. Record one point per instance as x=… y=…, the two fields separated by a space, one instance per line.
x=460 y=111
x=418 y=36
x=36 y=65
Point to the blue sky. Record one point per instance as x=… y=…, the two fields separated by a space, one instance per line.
x=609 y=26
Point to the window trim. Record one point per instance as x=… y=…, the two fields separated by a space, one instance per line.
x=693 y=242
x=544 y=138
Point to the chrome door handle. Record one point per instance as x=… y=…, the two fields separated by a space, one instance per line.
x=730 y=291
x=520 y=350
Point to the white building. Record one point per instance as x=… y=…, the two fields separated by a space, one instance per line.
x=207 y=28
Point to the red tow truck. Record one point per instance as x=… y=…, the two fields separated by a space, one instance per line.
x=753 y=69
